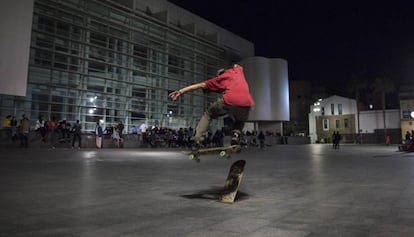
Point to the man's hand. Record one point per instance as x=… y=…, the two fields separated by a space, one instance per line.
x=175 y=94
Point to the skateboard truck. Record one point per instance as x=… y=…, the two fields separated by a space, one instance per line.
x=222 y=151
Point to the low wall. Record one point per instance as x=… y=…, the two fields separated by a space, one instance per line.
x=130 y=141
x=88 y=141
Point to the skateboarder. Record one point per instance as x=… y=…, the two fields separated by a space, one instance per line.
x=235 y=102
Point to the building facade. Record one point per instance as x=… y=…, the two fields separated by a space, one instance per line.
x=406 y=97
x=116 y=61
x=407 y=116
x=338 y=113
x=335 y=113
x=300 y=97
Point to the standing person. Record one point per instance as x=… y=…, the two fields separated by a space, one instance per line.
x=40 y=127
x=116 y=137
x=387 y=140
x=65 y=131
x=52 y=125
x=334 y=140
x=120 y=128
x=98 y=133
x=337 y=139
x=143 y=134
x=77 y=134
x=235 y=102
x=13 y=127
x=6 y=121
x=407 y=137
x=261 y=137
x=6 y=126
x=24 y=131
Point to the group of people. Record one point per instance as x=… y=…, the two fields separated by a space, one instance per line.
x=336 y=138
x=17 y=130
x=57 y=131
x=115 y=133
x=10 y=126
x=156 y=137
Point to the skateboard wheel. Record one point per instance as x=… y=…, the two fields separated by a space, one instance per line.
x=191 y=156
x=223 y=153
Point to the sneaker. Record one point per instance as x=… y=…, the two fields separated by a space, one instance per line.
x=235 y=139
x=197 y=139
x=195 y=146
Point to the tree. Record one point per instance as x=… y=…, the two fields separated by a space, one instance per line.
x=383 y=86
x=355 y=85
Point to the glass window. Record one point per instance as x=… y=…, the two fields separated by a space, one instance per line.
x=124 y=63
x=346 y=123
x=332 y=109
x=339 y=108
x=325 y=124
x=337 y=124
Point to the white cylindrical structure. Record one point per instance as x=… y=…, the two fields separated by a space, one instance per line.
x=269 y=86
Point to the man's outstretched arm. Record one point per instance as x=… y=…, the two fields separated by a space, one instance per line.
x=175 y=94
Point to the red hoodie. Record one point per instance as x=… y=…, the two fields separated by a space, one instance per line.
x=233 y=86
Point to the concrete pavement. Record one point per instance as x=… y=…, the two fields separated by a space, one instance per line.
x=287 y=190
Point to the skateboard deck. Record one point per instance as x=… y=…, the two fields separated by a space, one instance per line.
x=223 y=151
x=233 y=182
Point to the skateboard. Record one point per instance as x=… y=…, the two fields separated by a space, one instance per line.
x=223 y=151
x=233 y=182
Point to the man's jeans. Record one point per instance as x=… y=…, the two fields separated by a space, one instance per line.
x=217 y=109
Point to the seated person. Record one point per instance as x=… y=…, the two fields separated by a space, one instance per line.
x=117 y=139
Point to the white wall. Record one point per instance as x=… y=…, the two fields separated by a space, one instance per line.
x=269 y=87
x=373 y=119
x=15 y=28
x=348 y=105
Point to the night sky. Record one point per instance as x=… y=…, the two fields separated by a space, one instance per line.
x=325 y=43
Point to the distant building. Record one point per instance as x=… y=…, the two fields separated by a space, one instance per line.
x=372 y=126
x=300 y=97
x=406 y=97
x=337 y=113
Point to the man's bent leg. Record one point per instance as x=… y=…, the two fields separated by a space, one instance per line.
x=215 y=110
x=239 y=115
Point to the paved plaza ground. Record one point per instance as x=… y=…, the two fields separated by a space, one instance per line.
x=287 y=190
